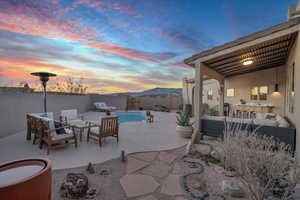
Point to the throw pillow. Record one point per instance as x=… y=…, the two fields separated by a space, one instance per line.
x=59 y=125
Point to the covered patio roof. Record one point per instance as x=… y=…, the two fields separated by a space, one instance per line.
x=266 y=49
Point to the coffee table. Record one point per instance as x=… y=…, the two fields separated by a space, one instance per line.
x=82 y=126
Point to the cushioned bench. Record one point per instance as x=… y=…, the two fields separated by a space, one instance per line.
x=215 y=128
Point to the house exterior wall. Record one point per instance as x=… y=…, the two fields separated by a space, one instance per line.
x=187 y=92
x=294 y=117
x=242 y=85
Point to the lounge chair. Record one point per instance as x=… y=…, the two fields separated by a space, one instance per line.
x=53 y=139
x=109 y=127
x=103 y=107
x=70 y=117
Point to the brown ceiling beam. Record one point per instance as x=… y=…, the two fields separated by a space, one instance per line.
x=274 y=42
x=255 y=70
x=255 y=67
x=259 y=56
x=257 y=61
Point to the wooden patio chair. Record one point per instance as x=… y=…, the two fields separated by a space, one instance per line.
x=34 y=127
x=54 y=140
x=109 y=128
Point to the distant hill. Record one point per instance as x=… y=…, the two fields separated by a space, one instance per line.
x=154 y=91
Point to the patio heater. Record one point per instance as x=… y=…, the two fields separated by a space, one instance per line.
x=44 y=78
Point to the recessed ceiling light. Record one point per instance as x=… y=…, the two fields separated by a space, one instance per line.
x=248 y=62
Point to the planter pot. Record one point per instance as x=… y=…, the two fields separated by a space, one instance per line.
x=26 y=179
x=185 y=131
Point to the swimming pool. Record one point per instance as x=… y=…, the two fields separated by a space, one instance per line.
x=130 y=116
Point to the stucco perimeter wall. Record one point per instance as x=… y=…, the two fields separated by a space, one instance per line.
x=118 y=101
x=15 y=105
x=148 y=101
x=242 y=85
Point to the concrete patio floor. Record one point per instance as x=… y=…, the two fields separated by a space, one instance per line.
x=134 y=137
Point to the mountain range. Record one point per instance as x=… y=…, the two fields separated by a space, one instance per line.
x=154 y=91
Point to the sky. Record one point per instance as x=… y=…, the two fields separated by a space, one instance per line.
x=121 y=45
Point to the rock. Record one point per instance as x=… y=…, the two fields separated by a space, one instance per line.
x=90 y=169
x=230 y=173
x=203 y=148
x=233 y=188
x=74 y=186
x=296 y=194
x=104 y=172
x=91 y=193
x=216 y=155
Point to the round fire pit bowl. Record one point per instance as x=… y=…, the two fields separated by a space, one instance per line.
x=26 y=179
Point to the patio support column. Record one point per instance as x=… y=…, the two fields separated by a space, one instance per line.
x=221 y=100
x=198 y=98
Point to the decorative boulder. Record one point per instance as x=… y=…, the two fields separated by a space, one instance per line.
x=90 y=168
x=74 y=186
x=233 y=188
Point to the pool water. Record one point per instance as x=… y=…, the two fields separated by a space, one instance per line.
x=130 y=116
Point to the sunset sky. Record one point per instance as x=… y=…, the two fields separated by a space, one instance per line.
x=125 y=45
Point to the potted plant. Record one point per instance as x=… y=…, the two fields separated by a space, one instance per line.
x=184 y=127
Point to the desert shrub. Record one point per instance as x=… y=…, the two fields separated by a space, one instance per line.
x=265 y=166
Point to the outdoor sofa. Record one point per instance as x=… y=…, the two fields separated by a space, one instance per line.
x=214 y=127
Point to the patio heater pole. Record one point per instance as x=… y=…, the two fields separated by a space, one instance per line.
x=44 y=78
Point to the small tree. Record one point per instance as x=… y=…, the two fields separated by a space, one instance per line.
x=71 y=86
x=261 y=162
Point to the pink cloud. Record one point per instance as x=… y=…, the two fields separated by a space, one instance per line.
x=178 y=64
x=55 y=1
x=39 y=20
x=43 y=21
x=132 y=53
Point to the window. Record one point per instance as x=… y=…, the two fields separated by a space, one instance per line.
x=263 y=92
x=210 y=94
x=259 y=93
x=230 y=92
x=254 y=93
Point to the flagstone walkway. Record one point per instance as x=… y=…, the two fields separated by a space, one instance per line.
x=152 y=175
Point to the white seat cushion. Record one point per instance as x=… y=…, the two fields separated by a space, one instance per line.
x=95 y=130
x=75 y=121
x=69 y=133
x=265 y=122
x=218 y=118
x=282 y=122
x=239 y=120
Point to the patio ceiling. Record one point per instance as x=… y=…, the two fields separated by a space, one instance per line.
x=269 y=54
x=266 y=49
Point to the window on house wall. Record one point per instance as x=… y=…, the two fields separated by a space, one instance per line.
x=254 y=93
x=259 y=93
x=210 y=94
x=263 y=92
x=230 y=92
